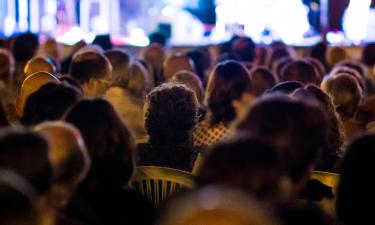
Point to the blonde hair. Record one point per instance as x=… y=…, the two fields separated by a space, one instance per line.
x=138 y=82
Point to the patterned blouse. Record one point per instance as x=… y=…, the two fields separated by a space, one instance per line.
x=206 y=135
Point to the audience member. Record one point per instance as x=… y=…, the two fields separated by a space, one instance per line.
x=171 y=114
x=65 y=64
x=300 y=70
x=335 y=55
x=92 y=70
x=262 y=79
x=244 y=49
x=176 y=63
x=192 y=81
x=154 y=55
x=201 y=62
x=39 y=64
x=104 y=41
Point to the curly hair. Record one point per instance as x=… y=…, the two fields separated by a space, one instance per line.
x=171 y=114
x=228 y=82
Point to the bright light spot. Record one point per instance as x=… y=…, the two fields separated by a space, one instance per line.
x=356 y=20
x=335 y=37
x=10 y=25
x=168 y=11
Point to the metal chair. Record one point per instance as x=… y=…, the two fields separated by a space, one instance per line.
x=157 y=183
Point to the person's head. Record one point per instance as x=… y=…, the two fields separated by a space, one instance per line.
x=49 y=102
x=298 y=129
x=329 y=156
x=286 y=87
x=355 y=195
x=335 y=55
x=24 y=47
x=262 y=79
x=39 y=64
x=192 y=81
x=26 y=153
x=52 y=49
x=279 y=65
x=319 y=52
x=120 y=61
x=68 y=156
x=17 y=200
x=30 y=85
x=176 y=63
x=92 y=70
x=300 y=70
x=278 y=52
x=108 y=140
x=201 y=62
x=366 y=111
x=345 y=92
x=171 y=113
x=6 y=66
x=249 y=164
x=216 y=206
x=229 y=90
x=261 y=54
x=104 y=41
x=244 y=49
x=155 y=55
x=318 y=66
x=368 y=55
x=339 y=70
x=138 y=82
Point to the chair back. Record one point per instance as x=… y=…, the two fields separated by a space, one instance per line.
x=329 y=179
x=157 y=183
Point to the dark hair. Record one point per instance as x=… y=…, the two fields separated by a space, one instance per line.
x=318 y=66
x=286 y=87
x=3 y=117
x=25 y=46
x=355 y=193
x=244 y=49
x=368 y=54
x=158 y=37
x=26 y=153
x=300 y=70
x=88 y=65
x=297 y=128
x=201 y=62
x=319 y=52
x=171 y=114
x=278 y=52
x=346 y=94
x=49 y=102
x=103 y=40
x=245 y=163
x=262 y=79
x=228 y=82
x=108 y=140
x=279 y=64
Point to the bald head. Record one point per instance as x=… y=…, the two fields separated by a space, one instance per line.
x=31 y=84
x=39 y=64
x=175 y=64
x=67 y=153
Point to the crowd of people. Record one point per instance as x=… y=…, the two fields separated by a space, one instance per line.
x=250 y=122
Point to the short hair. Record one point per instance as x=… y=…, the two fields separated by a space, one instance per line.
x=192 y=81
x=111 y=152
x=158 y=38
x=88 y=65
x=262 y=79
x=103 y=40
x=50 y=102
x=25 y=46
x=201 y=61
x=39 y=64
x=228 y=81
x=298 y=129
x=286 y=87
x=26 y=153
x=355 y=194
x=335 y=55
x=300 y=70
x=120 y=61
x=175 y=63
x=244 y=49
x=345 y=92
x=278 y=52
x=338 y=70
x=246 y=163
x=6 y=66
x=171 y=114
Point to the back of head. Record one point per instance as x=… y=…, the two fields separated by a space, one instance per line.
x=30 y=85
x=111 y=151
x=138 y=81
x=25 y=46
x=244 y=49
x=177 y=63
x=298 y=129
x=345 y=92
x=201 y=61
x=192 y=81
x=228 y=82
x=50 y=102
x=26 y=153
x=104 y=41
x=158 y=38
x=120 y=61
x=89 y=64
x=39 y=64
x=278 y=52
x=155 y=55
x=216 y=206
x=246 y=163
x=335 y=55
x=300 y=70
x=368 y=55
x=171 y=111
x=286 y=87
x=6 y=66
x=355 y=194
x=262 y=79
x=17 y=201
x=348 y=70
